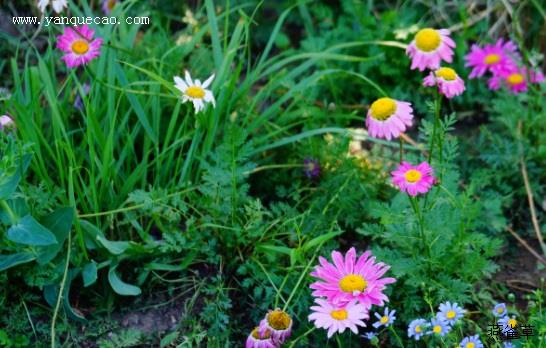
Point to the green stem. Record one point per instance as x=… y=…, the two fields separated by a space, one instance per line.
x=293 y=343
x=12 y=216
x=398 y=339
x=437 y=105
x=401 y=149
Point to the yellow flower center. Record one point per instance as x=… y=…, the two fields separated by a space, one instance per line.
x=491 y=59
x=437 y=329
x=512 y=323
x=195 y=92
x=353 y=282
x=450 y=314
x=413 y=176
x=470 y=345
x=427 y=39
x=279 y=320
x=418 y=329
x=500 y=310
x=340 y=314
x=384 y=319
x=80 y=47
x=256 y=334
x=383 y=108
x=446 y=73
x=515 y=79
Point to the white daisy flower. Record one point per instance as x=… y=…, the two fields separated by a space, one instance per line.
x=58 y=5
x=195 y=91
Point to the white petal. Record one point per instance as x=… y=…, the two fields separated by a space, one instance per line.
x=180 y=83
x=198 y=83
x=58 y=5
x=187 y=77
x=208 y=81
x=42 y=5
x=209 y=98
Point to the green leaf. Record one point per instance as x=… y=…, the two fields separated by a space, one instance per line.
x=8 y=261
x=114 y=247
x=119 y=286
x=320 y=239
x=29 y=232
x=59 y=222
x=89 y=274
x=8 y=185
x=169 y=339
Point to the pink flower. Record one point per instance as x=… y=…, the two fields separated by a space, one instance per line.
x=279 y=323
x=79 y=45
x=447 y=80
x=413 y=179
x=337 y=318
x=351 y=279
x=259 y=340
x=6 y=123
x=387 y=118
x=429 y=48
x=515 y=79
x=493 y=58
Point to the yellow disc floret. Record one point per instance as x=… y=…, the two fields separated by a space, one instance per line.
x=451 y=314
x=447 y=74
x=512 y=323
x=340 y=314
x=80 y=47
x=418 y=329
x=383 y=108
x=427 y=40
x=491 y=59
x=515 y=79
x=384 y=319
x=437 y=329
x=470 y=345
x=413 y=176
x=279 y=320
x=353 y=282
x=195 y=92
x=256 y=334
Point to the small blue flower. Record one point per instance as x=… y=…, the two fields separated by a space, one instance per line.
x=417 y=328
x=439 y=326
x=471 y=342
x=450 y=312
x=386 y=319
x=311 y=168
x=369 y=335
x=508 y=345
x=508 y=324
x=499 y=310
x=78 y=102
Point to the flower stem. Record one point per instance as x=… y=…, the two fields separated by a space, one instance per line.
x=437 y=106
x=391 y=328
x=401 y=149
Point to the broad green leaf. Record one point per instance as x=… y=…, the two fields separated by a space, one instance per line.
x=114 y=247
x=89 y=274
x=119 y=286
x=59 y=222
x=8 y=261
x=29 y=232
x=8 y=184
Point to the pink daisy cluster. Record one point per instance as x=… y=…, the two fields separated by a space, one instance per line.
x=503 y=61
x=79 y=45
x=346 y=290
x=272 y=332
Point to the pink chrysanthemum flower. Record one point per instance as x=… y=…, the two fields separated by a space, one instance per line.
x=515 y=80
x=338 y=318
x=351 y=279
x=493 y=58
x=260 y=340
x=279 y=323
x=79 y=45
x=387 y=118
x=6 y=123
x=447 y=80
x=429 y=48
x=413 y=179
